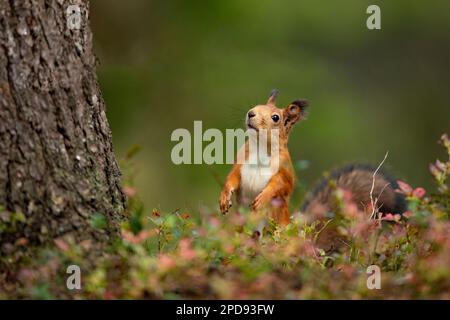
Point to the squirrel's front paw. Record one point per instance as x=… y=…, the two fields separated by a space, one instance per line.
x=260 y=200
x=225 y=201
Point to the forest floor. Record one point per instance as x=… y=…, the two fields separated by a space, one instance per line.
x=188 y=255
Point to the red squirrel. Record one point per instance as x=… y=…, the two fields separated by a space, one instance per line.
x=271 y=192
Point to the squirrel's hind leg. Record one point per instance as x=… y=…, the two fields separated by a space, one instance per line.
x=280 y=211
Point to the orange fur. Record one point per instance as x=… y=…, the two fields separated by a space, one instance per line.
x=276 y=191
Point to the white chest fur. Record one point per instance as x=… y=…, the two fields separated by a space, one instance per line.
x=255 y=174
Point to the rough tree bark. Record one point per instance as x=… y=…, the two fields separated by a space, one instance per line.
x=57 y=165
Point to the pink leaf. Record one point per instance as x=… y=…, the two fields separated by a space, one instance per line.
x=186 y=250
x=404 y=187
x=129 y=192
x=419 y=192
x=408 y=214
x=62 y=245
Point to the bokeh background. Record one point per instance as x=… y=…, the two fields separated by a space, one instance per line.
x=164 y=64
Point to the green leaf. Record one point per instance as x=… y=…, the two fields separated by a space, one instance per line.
x=136 y=223
x=171 y=221
x=19 y=217
x=98 y=221
x=134 y=150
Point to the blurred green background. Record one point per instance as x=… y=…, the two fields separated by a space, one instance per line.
x=164 y=64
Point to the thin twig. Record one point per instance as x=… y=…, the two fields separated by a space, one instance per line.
x=372 y=201
x=321 y=229
x=378 y=198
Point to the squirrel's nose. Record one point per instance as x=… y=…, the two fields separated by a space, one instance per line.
x=251 y=114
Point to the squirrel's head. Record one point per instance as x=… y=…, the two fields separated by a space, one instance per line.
x=269 y=117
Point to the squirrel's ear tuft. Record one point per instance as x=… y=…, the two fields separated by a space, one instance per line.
x=273 y=97
x=302 y=104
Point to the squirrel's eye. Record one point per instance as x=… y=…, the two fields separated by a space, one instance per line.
x=275 y=118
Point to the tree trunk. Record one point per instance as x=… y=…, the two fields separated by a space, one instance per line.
x=57 y=166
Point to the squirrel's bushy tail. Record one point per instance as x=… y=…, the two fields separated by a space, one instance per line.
x=357 y=179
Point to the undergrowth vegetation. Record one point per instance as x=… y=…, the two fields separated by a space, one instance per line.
x=169 y=255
